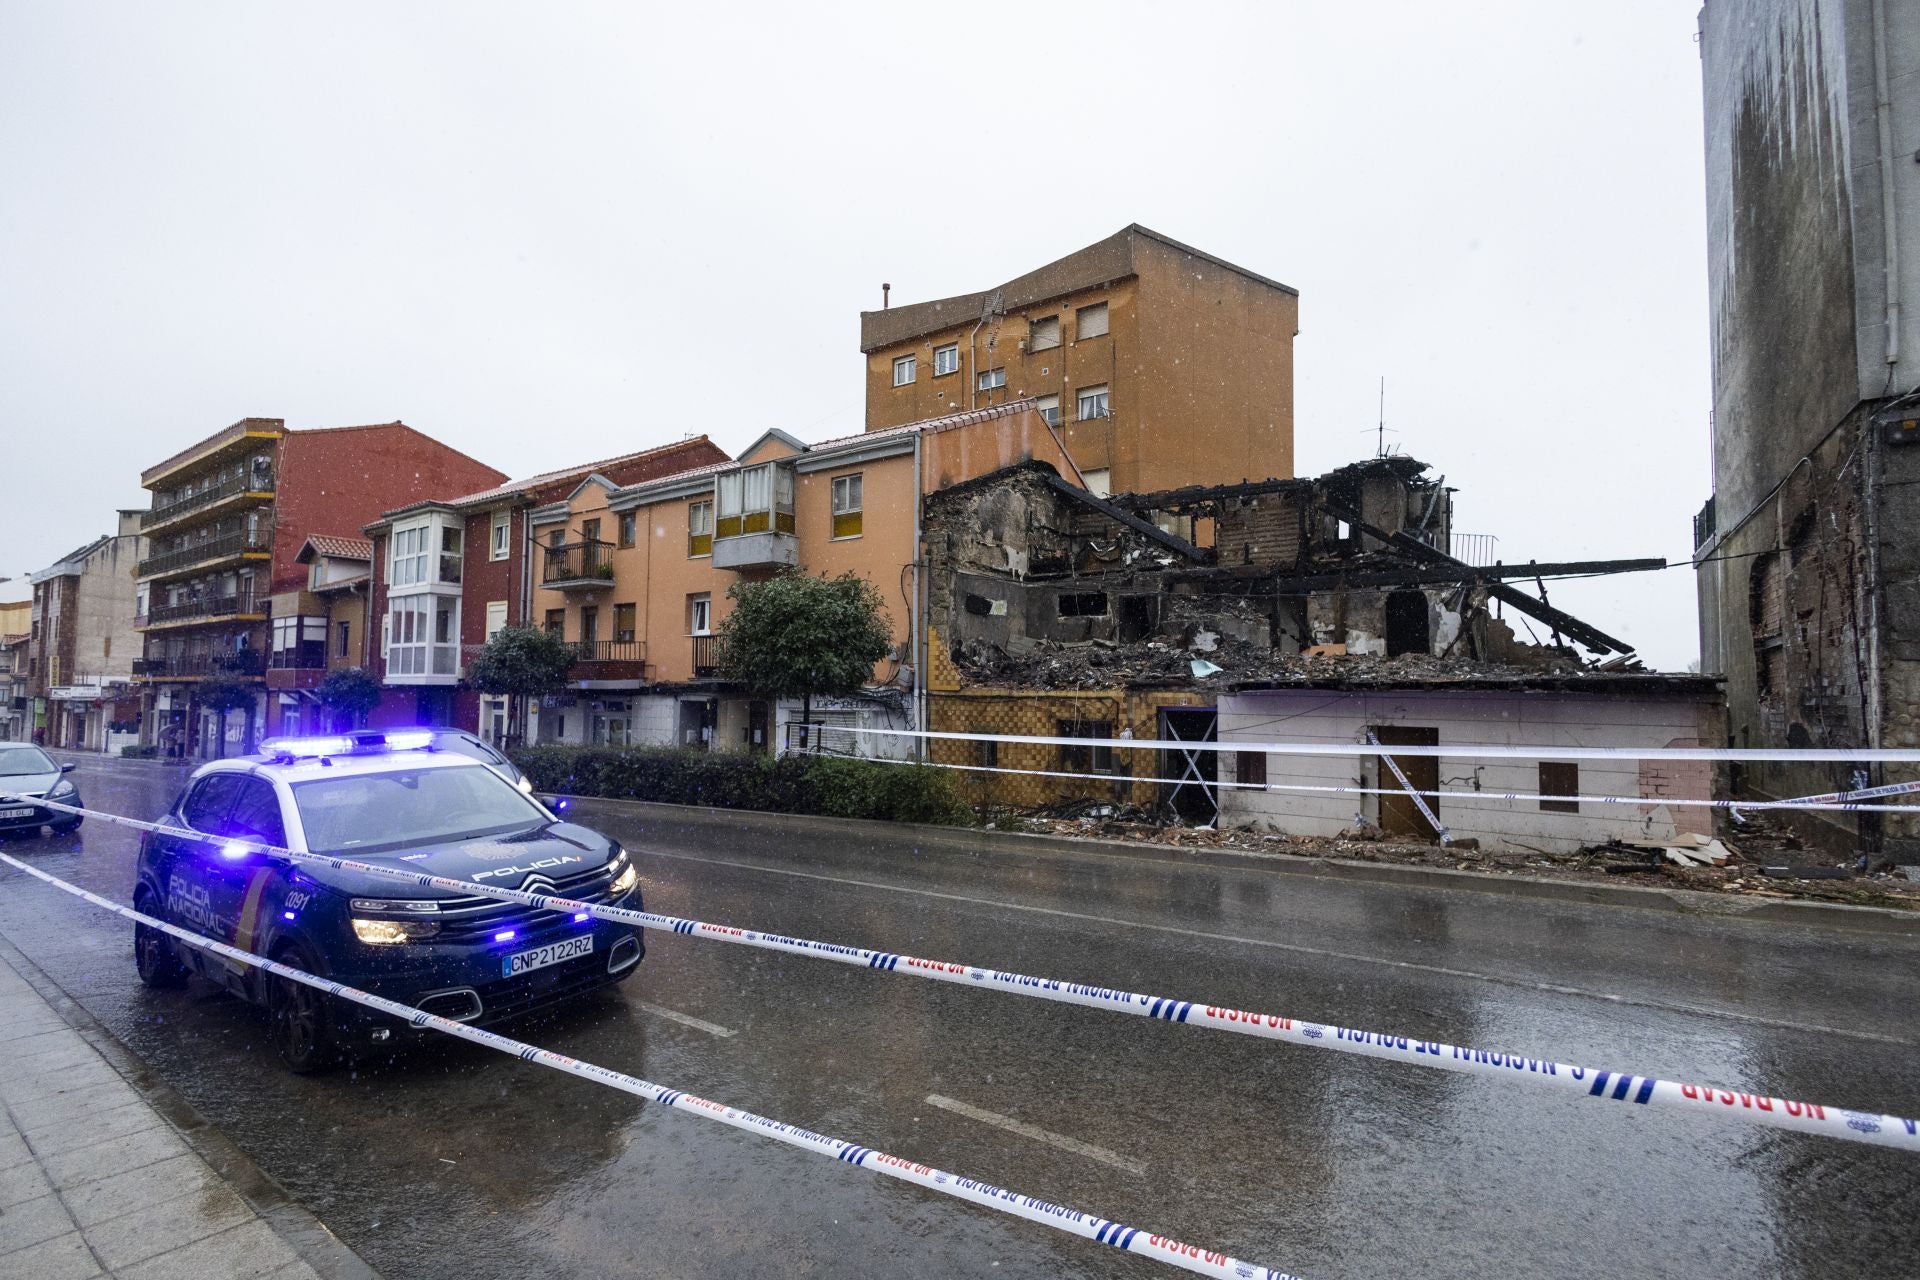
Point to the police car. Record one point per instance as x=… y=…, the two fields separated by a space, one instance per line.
x=397 y=800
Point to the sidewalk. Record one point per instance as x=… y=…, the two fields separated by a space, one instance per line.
x=100 y=1178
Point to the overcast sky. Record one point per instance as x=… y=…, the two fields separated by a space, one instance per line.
x=551 y=233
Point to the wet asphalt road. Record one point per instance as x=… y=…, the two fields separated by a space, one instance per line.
x=457 y=1162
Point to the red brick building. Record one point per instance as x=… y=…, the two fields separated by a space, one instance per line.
x=449 y=572
x=221 y=580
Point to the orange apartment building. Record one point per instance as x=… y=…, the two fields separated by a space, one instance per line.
x=1160 y=365
x=636 y=576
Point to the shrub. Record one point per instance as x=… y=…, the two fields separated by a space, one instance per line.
x=829 y=786
x=138 y=753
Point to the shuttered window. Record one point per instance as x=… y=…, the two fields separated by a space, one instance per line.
x=846 y=506
x=1049 y=407
x=700 y=529
x=1091 y=322
x=1043 y=334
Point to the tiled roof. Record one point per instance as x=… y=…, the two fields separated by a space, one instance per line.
x=931 y=425
x=331 y=544
x=581 y=472
x=22 y=638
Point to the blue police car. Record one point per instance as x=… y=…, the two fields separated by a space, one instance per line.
x=397 y=800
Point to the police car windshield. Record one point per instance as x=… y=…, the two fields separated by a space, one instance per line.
x=371 y=812
x=18 y=762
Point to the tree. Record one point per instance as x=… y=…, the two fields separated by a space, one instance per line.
x=521 y=663
x=350 y=694
x=792 y=636
x=222 y=694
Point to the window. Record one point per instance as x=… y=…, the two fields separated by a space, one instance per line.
x=1049 y=407
x=206 y=808
x=1083 y=604
x=700 y=615
x=407 y=627
x=991 y=378
x=342 y=639
x=502 y=535
x=450 y=553
x=1085 y=759
x=946 y=360
x=846 y=506
x=754 y=500
x=409 y=562
x=903 y=370
x=1043 y=334
x=298 y=642
x=1099 y=481
x=496 y=617
x=1092 y=403
x=1092 y=321
x=557 y=538
x=700 y=529
x=589 y=625
x=255 y=814
x=986 y=754
x=629 y=528
x=1559 y=778
x=590 y=530
x=1250 y=768
x=556 y=624
x=623 y=620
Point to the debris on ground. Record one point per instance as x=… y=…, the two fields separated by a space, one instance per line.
x=1711 y=864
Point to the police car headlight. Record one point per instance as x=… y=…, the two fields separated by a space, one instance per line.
x=383 y=932
x=62 y=789
x=526 y=787
x=627 y=876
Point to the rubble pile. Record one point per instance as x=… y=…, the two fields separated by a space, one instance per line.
x=1769 y=875
x=1103 y=664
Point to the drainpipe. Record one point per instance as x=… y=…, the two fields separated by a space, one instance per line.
x=1890 y=261
x=918 y=623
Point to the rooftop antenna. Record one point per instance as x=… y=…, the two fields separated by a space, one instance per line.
x=1380 y=428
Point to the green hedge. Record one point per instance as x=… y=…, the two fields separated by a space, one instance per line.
x=139 y=753
x=830 y=786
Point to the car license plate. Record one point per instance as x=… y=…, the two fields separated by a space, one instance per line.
x=16 y=813
x=541 y=957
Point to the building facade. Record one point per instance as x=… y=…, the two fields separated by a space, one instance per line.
x=84 y=642
x=1157 y=364
x=230 y=516
x=636 y=577
x=1808 y=552
x=445 y=611
x=16 y=714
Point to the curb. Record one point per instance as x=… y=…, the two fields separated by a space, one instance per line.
x=329 y=1256
x=1833 y=915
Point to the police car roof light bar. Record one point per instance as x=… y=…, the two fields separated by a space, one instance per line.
x=364 y=742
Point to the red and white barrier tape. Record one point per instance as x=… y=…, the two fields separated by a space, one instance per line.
x=1725 y=1104
x=1129 y=1239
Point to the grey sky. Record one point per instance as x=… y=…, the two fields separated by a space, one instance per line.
x=547 y=234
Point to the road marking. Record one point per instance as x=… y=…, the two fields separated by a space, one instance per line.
x=1038 y=1134
x=684 y=1019
x=1414 y=966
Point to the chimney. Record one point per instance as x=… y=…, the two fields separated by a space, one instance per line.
x=885 y=289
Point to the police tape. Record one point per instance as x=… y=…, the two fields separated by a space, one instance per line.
x=1467 y=750
x=1089 y=1226
x=1820 y=803
x=1591 y=1082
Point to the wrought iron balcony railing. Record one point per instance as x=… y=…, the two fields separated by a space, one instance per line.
x=232 y=544
x=577 y=564
x=205 y=498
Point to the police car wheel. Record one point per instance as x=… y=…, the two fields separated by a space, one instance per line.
x=302 y=1021
x=153 y=957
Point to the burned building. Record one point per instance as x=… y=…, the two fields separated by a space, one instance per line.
x=1054 y=612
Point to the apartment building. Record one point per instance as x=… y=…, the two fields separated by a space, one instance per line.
x=230 y=517
x=1157 y=364
x=16 y=718
x=82 y=643
x=636 y=576
x=448 y=572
